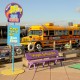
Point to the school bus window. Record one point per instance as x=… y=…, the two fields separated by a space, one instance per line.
x=56 y=32
x=60 y=32
x=65 y=32
x=35 y=32
x=40 y=32
x=51 y=32
x=75 y=32
x=45 y=33
x=78 y=32
x=30 y=32
x=70 y=32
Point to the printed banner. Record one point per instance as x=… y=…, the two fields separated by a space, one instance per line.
x=13 y=35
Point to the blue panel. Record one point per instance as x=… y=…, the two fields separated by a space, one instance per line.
x=13 y=35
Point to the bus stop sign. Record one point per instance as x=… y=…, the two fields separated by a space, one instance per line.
x=13 y=35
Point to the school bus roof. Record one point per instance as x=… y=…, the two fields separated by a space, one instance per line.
x=51 y=26
x=36 y=27
x=54 y=27
x=46 y=27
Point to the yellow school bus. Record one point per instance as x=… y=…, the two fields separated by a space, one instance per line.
x=40 y=36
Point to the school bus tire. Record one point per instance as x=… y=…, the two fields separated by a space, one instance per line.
x=30 y=47
x=38 y=47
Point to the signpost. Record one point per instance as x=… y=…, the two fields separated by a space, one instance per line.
x=13 y=39
x=13 y=12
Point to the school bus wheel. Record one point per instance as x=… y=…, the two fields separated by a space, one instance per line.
x=38 y=46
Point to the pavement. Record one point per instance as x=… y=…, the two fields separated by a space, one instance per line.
x=55 y=72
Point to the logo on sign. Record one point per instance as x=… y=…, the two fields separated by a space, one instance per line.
x=13 y=12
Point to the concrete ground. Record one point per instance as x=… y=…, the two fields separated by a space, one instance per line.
x=56 y=72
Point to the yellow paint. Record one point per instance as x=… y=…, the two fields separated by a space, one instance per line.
x=9 y=71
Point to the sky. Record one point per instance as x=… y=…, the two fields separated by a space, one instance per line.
x=59 y=12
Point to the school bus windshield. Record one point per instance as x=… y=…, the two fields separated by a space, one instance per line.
x=35 y=32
